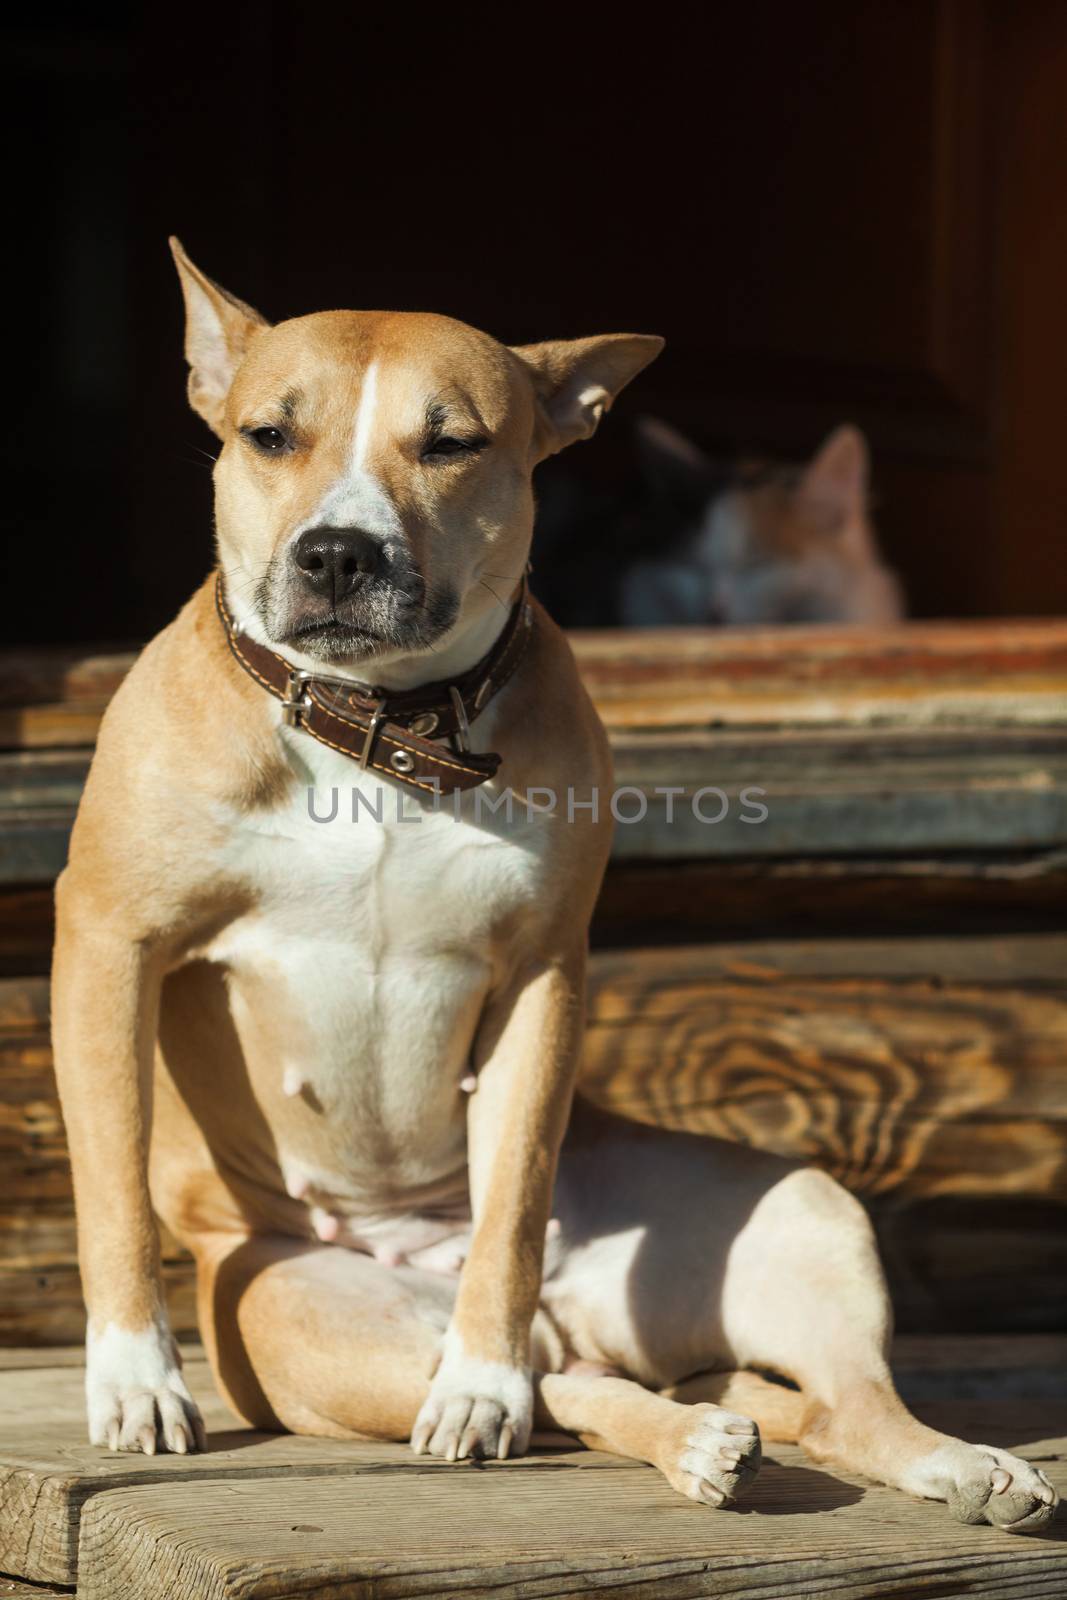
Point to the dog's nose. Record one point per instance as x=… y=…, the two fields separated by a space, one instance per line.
x=334 y=561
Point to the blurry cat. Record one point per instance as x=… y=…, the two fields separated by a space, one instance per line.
x=689 y=541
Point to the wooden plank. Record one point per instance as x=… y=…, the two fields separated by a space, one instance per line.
x=522 y=1529
x=646 y=902
x=65 y=674
x=48 y=1473
x=970 y=673
x=45 y=1303
x=26 y=929
x=838 y=792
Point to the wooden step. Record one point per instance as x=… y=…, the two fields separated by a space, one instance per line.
x=273 y=1515
x=545 y=1528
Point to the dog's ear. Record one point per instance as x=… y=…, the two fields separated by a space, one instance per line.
x=576 y=380
x=218 y=331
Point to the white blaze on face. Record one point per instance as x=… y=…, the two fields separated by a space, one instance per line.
x=358 y=499
x=368 y=405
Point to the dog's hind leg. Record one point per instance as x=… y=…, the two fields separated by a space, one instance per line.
x=804 y=1295
x=684 y=1255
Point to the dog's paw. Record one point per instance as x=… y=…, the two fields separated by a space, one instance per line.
x=710 y=1454
x=475 y=1408
x=981 y=1483
x=136 y=1396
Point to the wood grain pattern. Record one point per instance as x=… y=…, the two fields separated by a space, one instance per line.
x=932 y=1066
x=534 y=1529
x=925 y=1073
x=48 y=1472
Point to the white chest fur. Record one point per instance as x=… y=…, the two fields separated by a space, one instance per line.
x=358 y=975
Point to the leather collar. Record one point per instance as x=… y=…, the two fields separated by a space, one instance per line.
x=396 y=732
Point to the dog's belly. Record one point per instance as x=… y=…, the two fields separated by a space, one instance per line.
x=353 y=987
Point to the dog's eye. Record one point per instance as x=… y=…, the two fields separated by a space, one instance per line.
x=269 y=440
x=447 y=445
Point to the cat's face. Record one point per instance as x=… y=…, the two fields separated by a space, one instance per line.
x=776 y=553
x=786 y=549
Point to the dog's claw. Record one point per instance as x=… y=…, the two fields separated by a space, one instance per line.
x=150 y=1421
x=458 y=1425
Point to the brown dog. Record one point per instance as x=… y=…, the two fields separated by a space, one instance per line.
x=337 y=1037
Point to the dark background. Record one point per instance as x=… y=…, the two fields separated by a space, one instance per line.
x=836 y=209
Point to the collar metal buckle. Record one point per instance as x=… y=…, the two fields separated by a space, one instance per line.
x=296 y=700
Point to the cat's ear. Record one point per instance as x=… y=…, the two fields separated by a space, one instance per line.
x=672 y=466
x=835 y=480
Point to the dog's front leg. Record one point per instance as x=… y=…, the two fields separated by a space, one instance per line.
x=105 y=996
x=481 y=1398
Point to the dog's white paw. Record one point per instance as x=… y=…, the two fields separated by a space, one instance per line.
x=474 y=1408
x=982 y=1483
x=710 y=1454
x=136 y=1396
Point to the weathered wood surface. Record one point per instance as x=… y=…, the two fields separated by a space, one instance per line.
x=667 y=902
x=564 y=1517
x=532 y=1530
x=917 y=673
x=48 y=1472
x=840 y=790
x=927 y=1074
